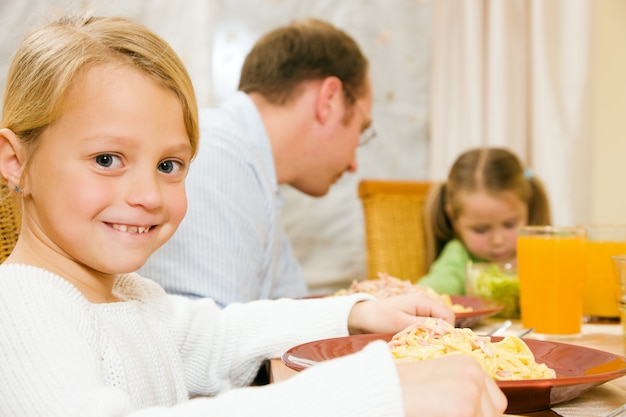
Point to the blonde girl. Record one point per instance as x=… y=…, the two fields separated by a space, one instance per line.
x=475 y=215
x=99 y=127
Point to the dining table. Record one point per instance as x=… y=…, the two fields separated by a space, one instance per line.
x=597 y=402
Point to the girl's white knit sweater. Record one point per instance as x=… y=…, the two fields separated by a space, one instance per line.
x=147 y=355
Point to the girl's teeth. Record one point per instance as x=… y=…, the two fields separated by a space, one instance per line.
x=131 y=229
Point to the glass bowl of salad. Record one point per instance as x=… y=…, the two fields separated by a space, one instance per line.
x=494 y=282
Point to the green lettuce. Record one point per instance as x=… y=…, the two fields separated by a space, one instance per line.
x=494 y=283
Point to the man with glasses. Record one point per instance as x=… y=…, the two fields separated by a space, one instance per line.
x=303 y=106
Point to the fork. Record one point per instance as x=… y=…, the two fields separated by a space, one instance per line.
x=500 y=329
x=526 y=332
x=504 y=327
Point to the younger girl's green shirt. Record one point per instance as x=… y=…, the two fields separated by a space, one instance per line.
x=447 y=272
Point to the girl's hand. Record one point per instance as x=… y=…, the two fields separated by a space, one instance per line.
x=393 y=314
x=451 y=385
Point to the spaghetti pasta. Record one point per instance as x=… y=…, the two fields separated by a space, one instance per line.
x=388 y=286
x=508 y=359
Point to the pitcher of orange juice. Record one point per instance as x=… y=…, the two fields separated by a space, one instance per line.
x=603 y=242
x=551 y=273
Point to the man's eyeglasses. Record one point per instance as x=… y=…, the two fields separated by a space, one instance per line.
x=369 y=133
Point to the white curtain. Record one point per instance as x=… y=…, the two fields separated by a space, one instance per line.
x=515 y=73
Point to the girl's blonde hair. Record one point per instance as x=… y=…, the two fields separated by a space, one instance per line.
x=50 y=58
x=493 y=170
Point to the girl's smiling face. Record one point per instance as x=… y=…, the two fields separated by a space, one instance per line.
x=487 y=224
x=105 y=186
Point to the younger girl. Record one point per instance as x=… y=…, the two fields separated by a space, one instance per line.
x=99 y=126
x=476 y=213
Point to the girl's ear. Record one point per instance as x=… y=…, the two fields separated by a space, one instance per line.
x=11 y=161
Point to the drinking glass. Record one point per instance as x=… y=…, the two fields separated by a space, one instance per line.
x=601 y=289
x=619 y=263
x=551 y=272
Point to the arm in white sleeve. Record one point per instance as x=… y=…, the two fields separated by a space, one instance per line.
x=364 y=384
x=241 y=336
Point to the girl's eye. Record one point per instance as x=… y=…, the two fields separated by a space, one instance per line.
x=513 y=224
x=108 y=160
x=170 y=166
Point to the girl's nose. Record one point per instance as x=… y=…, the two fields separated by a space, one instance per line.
x=144 y=190
x=497 y=237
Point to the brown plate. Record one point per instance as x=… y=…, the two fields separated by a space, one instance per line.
x=481 y=308
x=578 y=368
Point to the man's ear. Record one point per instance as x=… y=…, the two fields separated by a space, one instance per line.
x=330 y=98
x=11 y=158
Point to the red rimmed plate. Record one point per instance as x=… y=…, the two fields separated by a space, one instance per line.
x=578 y=368
x=481 y=308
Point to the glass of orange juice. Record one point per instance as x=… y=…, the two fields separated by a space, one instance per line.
x=619 y=263
x=551 y=271
x=601 y=290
